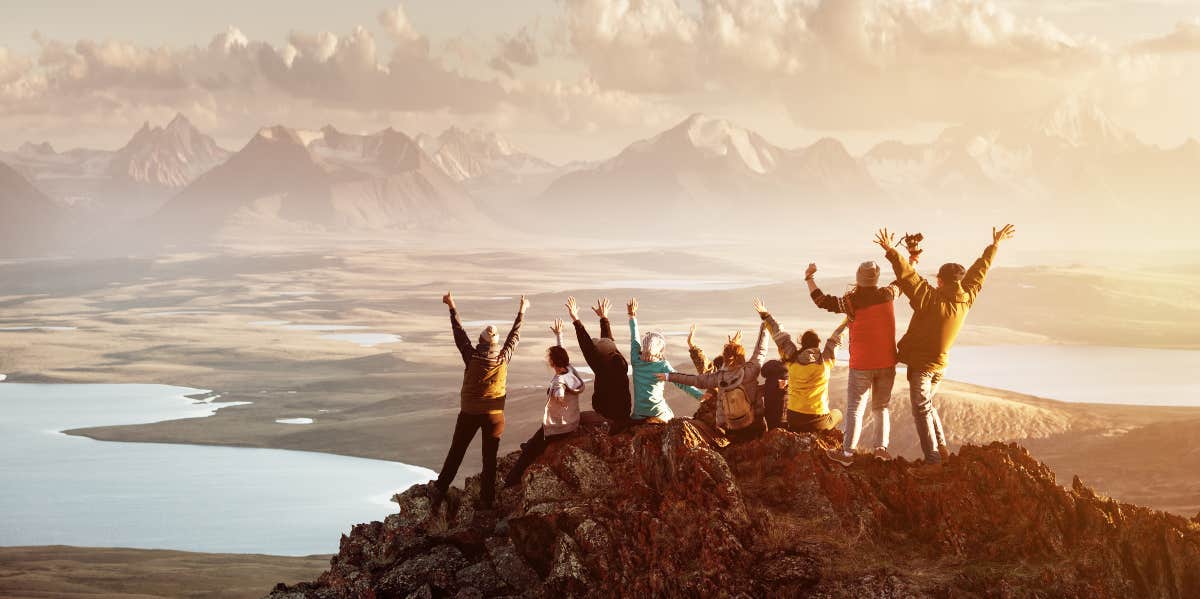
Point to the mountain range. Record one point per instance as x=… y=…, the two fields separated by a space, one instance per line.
x=1070 y=161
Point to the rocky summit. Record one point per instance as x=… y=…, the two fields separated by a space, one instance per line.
x=657 y=511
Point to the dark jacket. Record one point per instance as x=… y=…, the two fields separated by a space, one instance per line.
x=485 y=376
x=938 y=314
x=774 y=397
x=610 y=391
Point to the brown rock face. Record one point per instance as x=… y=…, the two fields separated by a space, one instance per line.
x=658 y=512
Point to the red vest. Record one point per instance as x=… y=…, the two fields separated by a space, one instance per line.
x=873 y=337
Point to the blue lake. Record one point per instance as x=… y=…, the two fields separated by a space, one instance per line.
x=64 y=489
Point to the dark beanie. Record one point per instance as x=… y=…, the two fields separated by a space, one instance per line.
x=951 y=271
x=810 y=339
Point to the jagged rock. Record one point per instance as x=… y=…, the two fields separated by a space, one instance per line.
x=656 y=511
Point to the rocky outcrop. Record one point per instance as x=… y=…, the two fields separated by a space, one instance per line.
x=656 y=511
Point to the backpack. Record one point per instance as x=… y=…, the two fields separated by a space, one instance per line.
x=739 y=409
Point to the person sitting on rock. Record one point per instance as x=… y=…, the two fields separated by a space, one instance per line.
x=808 y=375
x=739 y=409
x=610 y=392
x=938 y=315
x=869 y=310
x=775 y=393
x=706 y=412
x=649 y=405
x=485 y=378
x=561 y=415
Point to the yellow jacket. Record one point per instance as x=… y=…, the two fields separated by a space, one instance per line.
x=808 y=370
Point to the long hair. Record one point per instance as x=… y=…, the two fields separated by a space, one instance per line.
x=557 y=356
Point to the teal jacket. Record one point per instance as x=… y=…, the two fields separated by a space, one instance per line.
x=648 y=399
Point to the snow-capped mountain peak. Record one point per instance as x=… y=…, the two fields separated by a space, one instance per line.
x=170 y=156
x=1079 y=122
x=713 y=136
x=473 y=153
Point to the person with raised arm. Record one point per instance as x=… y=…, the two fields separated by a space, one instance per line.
x=560 y=418
x=738 y=401
x=647 y=356
x=808 y=369
x=610 y=393
x=481 y=400
x=706 y=412
x=869 y=310
x=938 y=315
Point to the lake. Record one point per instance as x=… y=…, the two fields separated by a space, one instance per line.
x=64 y=489
x=1082 y=373
x=1078 y=373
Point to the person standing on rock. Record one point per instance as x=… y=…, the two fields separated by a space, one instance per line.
x=739 y=409
x=561 y=416
x=808 y=375
x=610 y=393
x=938 y=315
x=648 y=358
x=869 y=310
x=485 y=378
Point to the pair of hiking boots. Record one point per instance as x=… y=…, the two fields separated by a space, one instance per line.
x=847 y=460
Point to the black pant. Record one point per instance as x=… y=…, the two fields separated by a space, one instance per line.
x=530 y=451
x=749 y=433
x=776 y=405
x=465 y=427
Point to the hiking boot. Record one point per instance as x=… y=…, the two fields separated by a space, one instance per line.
x=436 y=497
x=840 y=457
x=882 y=453
x=945 y=452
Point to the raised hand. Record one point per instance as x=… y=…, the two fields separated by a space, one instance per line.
x=524 y=305
x=601 y=307
x=1004 y=233
x=736 y=337
x=557 y=326
x=632 y=307
x=448 y=300
x=572 y=308
x=885 y=239
x=662 y=376
x=811 y=270
x=759 y=306
x=691 y=338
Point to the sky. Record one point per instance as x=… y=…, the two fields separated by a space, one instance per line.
x=580 y=79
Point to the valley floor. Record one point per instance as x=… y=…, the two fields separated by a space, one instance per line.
x=221 y=323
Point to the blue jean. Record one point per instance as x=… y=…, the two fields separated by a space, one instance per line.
x=922 y=386
x=879 y=382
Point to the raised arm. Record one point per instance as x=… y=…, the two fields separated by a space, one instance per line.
x=973 y=281
x=825 y=302
x=783 y=341
x=601 y=310
x=699 y=360
x=585 y=340
x=556 y=327
x=461 y=340
x=760 y=347
x=514 y=334
x=829 y=355
x=918 y=290
x=635 y=344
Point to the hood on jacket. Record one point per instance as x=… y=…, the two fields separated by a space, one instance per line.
x=607 y=348
x=811 y=355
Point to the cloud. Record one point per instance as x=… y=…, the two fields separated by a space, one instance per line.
x=1185 y=38
x=833 y=63
x=519 y=49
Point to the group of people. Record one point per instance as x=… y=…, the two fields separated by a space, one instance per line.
x=734 y=406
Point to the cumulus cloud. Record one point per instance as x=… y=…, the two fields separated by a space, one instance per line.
x=519 y=49
x=834 y=63
x=1185 y=38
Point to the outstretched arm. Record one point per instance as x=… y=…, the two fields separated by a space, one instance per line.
x=585 y=340
x=824 y=302
x=973 y=281
x=835 y=339
x=601 y=310
x=918 y=290
x=461 y=340
x=783 y=341
x=760 y=347
x=635 y=344
x=514 y=334
x=690 y=390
